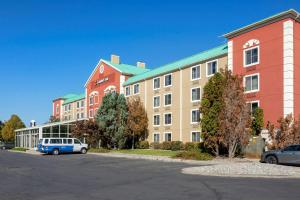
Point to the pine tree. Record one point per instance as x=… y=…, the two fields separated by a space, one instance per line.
x=8 y=131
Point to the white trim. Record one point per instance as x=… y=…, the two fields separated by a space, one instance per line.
x=159 y=101
x=154 y=134
x=90 y=113
x=191 y=78
x=251 y=43
x=145 y=92
x=244 y=56
x=165 y=100
x=288 y=68
x=258 y=85
x=206 y=64
x=195 y=131
x=191 y=97
x=165 y=120
x=153 y=83
x=122 y=80
x=153 y=120
x=230 y=55
x=126 y=91
x=133 y=93
x=86 y=103
x=180 y=106
x=255 y=101
x=165 y=80
x=191 y=119
x=164 y=139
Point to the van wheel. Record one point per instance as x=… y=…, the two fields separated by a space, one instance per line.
x=55 y=152
x=83 y=151
x=272 y=160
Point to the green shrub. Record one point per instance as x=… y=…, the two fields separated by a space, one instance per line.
x=19 y=149
x=143 y=145
x=155 y=145
x=193 y=146
x=98 y=150
x=193 y=155
x=166 y=145
x=176 y=145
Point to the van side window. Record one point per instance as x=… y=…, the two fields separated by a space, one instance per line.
x=55 y=141
x=76 y=141
x=70 y=141
x=46 y=141
x=65 y=141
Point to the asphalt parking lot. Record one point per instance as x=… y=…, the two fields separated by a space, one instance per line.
x=76 y=176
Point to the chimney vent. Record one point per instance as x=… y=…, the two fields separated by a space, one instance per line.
x=141 y=64
x=32 y=123
x=115 y=59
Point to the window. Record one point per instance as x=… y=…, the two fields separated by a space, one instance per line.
x=168 y=137
x=65 y=141
x=156 y=120
x=91 y=114
x=57 y=108
x=156 y=137
x=70 y=141
x=91 y=100
x=76 y=141
x=168 y=80
x=211 y=68
x=78 y=115
x=55 y=141
x=96 y=99
x=66 y=108
x=156 y=83
x=70 y=106
x=251 y=56
x=251 y=83
x=78 y=104
x=168 y=119
x=253 y=105
x=96 y=111
x=156 y=101
x=196 y=136
x=195 y=71
x=195 y=94
x=82 y=115
x=82 y=104
x=168 y=99
x=292 y=148
x=46 y=141
x=195 y=118
x=136 y=89
x=127 y=91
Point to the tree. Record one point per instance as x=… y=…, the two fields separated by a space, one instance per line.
x=137 y=121
x=211 y=105
x=1 y=126
x=288 y=132
x=53 y=119
x=90 y=131
x=257 y=122
x=8 y=131
x=111 y=118
x=234 y=118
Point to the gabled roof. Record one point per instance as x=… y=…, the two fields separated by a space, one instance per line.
x=67 y=96
x=73 y=98
x=202 y=56
x=279 y=16
x=122 y=68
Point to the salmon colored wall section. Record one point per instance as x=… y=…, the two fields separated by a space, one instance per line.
x=270 y=67
x=296 y=69
x=113 y=80
x=56 y=103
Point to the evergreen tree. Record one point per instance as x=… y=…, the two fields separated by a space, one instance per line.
x=8 y=131
x=257 y=122
x=1 y=126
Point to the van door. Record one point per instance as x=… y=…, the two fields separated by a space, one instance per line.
x=77 y=145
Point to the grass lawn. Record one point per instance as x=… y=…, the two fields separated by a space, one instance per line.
x=19 y=149
x=153 y=152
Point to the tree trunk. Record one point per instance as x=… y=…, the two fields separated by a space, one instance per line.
x=217 y=153
x=231 y=150
x=132 y=142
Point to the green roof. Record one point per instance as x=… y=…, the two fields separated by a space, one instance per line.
x=127 y=69
x=202 y=56
x=67 y=96
x=287 y=13
x=73 y=97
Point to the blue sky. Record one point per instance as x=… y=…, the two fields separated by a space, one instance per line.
x=49 y=48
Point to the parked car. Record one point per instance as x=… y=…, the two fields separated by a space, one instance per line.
x=56 y=146
x=288 y=155
x=6 y=145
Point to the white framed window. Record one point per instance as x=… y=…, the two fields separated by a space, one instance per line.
x=82 y=104
x=195 y=116
x=168 y=99
x=251 y=56
x=156 y=137
x=95 y=112
x=251 y=83
x=156 y=101
x=168 y=119
x=78 y=116
x=196 y=72
x=57 y=108
x=156 y=83
x=253 y=105
x=78 y=104
x=168 y=136
x=127 y=91
x=91 y=113
x=211 y=68
x=82 y=115
x=156 y=120
x=70 y=106
x=136 y=88
x=66 y=108
x=195 y=94
x=195 y=136
x=168 y=80
x=91 y=99
x=96 y=99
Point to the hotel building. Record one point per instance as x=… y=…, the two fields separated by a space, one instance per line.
x=265 y=53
